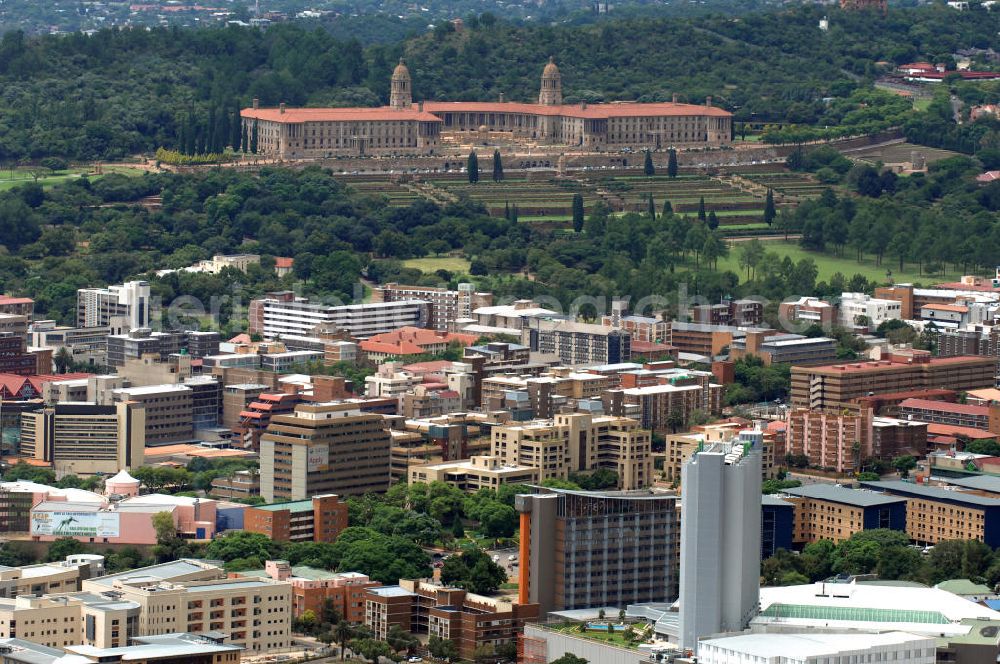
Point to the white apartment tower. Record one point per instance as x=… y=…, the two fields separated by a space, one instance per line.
x=720 y=538
x=123 y=308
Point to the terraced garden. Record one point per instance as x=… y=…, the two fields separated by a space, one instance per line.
x=537 y=200
x=737 y=200
x=797 y=186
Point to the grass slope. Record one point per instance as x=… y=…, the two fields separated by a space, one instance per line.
x=828 y=264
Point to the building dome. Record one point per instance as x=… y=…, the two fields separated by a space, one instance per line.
x=400 y=71
x=550 y=69
x=550 y=94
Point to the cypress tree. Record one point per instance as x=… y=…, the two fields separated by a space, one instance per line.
x=513 y=213
x=473 y=167
x=667 y=207
x=253 y=138
x=769 y=212
x=497 y=166
x=651 y=207
x=210 y=131
x=236 y=129
x=713 y=220
x=191 y=138
x=672 y=163
x=701 y=209
x=506 y=210
x=647 y=168
x=244 y=144
x=577 y=212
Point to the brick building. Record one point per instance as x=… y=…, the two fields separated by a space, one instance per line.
x=833 y=512
x=833 y=385
x=467 y=619
x=320 y=519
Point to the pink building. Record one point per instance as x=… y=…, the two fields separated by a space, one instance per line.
x=129 y=521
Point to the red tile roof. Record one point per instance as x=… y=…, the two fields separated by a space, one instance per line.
x=958 y=308
x=593 y=111
x=284 y=262
x=413 y=341
x=386 y=113
x=949 y=430
x=434 y=366
x=14 y=386
x=9 y=299
x=299 y=115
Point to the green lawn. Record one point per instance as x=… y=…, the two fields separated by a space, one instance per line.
x=829 y=264
x=10 y=180
x=450 y=263
x=921 y=104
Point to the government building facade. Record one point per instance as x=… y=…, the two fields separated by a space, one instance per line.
x=405 y=128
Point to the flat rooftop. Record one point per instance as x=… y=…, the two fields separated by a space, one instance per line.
x=837 y=494
x=933 y=493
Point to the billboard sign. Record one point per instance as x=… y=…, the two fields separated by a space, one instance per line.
x=75 y=524
x=318 y=458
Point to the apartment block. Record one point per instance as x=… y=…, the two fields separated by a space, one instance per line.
x=473 y=474
x=729 y=312
x=319 y=519
x=324 y=448
x=447 y=306
x=784 y=348
x=283 y=313
x=573 y=554
x=833 y=512
x=807 y=311
x=122 y=308
x=702 y=339
x=575 y=442
x=577 y=343
x=240 y=485
x=679 y=448
x=15 y=358
x=468 y=620
x=313 y=588
x=60 y=621
x=838 y=441
x=254 y=613
x=641 y=328
x=18 y=306
x=943 y=412
x=833 y=385
x=934 y=515
x=85 y=344
x=168 y=411
x=85 y=439
x=681 y=393
x=140 y=342
x=860 y=311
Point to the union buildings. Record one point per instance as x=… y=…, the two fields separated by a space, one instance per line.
x=407 y=128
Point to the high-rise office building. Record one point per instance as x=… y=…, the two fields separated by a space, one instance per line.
x=323 y=448
x=720 y=538
x=85 y=439
x=585 y=549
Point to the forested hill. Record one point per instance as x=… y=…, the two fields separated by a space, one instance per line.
x=121 y=92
